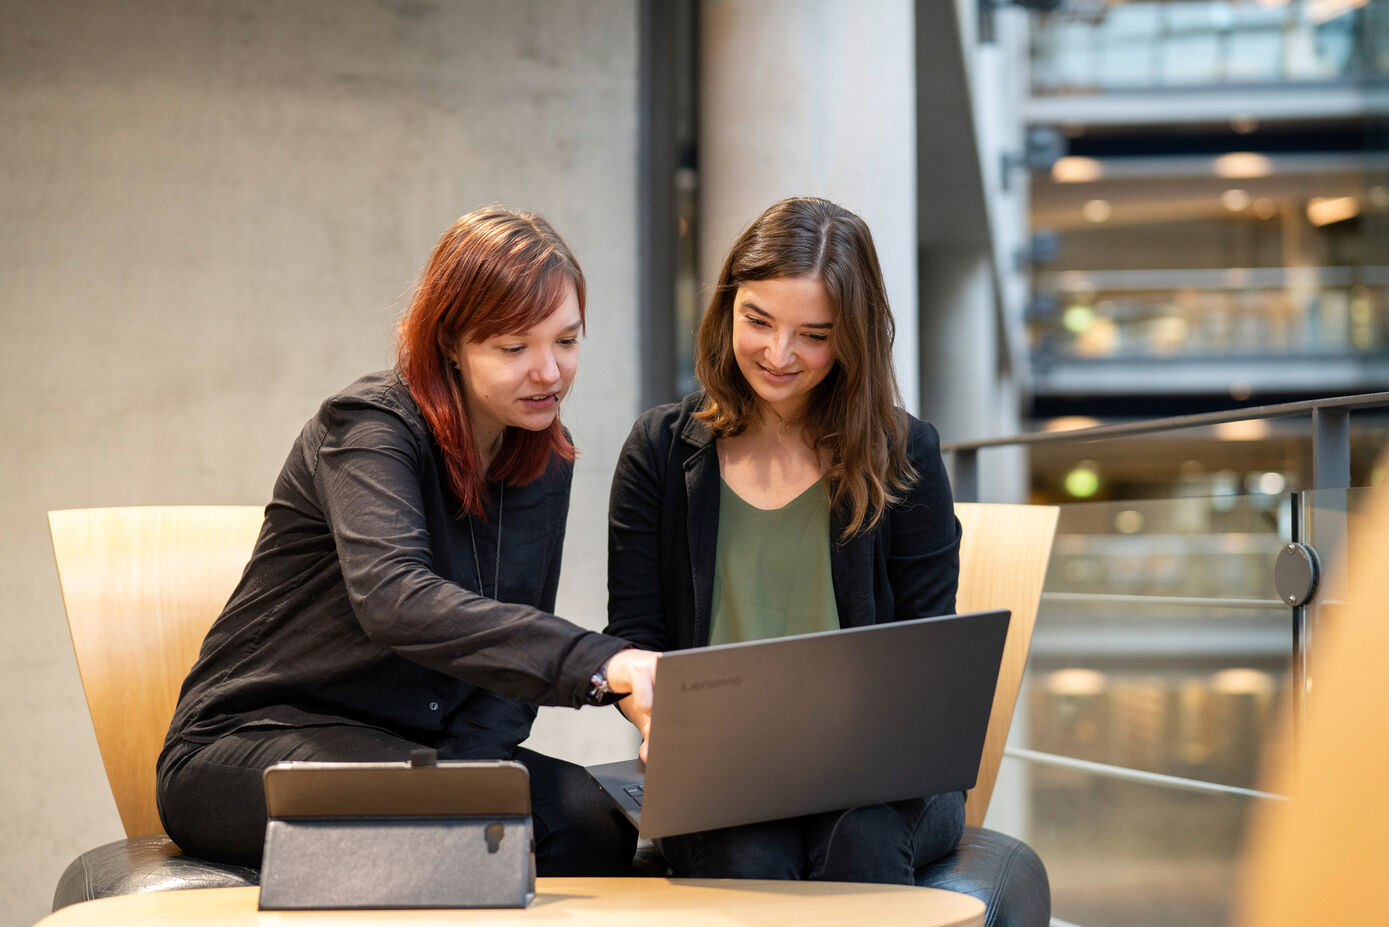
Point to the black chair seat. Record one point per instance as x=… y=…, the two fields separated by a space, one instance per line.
x=143 y=864
x=1001 y=871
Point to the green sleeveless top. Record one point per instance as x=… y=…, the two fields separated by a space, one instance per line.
x=772 y=569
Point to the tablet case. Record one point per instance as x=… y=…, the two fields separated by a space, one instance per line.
x=397 y=835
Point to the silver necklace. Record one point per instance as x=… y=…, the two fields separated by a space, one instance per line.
x=497 y=571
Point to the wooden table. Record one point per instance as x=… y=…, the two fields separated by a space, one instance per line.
x=571 y=902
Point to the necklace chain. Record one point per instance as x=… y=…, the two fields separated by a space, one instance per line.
x=497 y=570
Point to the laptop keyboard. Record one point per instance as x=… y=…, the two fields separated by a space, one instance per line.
x=634 y=791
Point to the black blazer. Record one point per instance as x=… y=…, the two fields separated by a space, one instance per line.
x=361 y=603
x=663 y=526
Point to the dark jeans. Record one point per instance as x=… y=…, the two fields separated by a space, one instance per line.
x=212 y=801
x=874 y=843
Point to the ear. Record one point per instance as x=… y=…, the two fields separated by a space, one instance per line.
x=449 y=351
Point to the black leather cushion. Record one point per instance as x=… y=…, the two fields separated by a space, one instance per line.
x=1001 y=871
x=142 y=864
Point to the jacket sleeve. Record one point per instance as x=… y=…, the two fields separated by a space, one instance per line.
x=634 y=543
x=367 y=480
x=923 y=556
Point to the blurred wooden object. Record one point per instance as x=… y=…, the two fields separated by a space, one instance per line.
x=1320 y=858
x=1003 y=560
x=141 y=587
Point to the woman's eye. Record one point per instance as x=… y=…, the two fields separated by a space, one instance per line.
x=570 y=342
x=756 y=321
x=816 y=336
x=513 y=348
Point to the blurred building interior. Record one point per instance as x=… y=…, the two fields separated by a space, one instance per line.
x=1213 y=234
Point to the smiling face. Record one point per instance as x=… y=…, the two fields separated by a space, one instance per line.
x=518 y=379
x=782 y=330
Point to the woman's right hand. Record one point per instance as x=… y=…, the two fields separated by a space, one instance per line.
x=634 y=671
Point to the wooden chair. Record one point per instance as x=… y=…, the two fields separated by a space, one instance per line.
x=1003 y=559
x=141 y=587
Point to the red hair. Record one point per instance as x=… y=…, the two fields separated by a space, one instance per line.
x=494 y=271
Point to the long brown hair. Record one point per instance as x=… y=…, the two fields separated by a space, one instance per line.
x=852 y=416
x=496 y=270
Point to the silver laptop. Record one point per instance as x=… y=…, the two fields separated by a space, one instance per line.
x=815 y=722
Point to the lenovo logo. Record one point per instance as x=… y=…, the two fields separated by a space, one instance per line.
x=716 y=683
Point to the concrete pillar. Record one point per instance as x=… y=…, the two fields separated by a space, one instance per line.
x=972 y=224
x=813 y=97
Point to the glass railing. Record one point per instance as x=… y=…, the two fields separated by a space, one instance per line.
x=1098 y=46
x=1158 y=663
x=1162 y=666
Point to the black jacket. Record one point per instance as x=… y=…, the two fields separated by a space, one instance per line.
x=360 y=603
x=663 y=525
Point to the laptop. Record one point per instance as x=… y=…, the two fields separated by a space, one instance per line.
x=770 y=729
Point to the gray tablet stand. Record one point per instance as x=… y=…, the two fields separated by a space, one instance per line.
x=386 y=835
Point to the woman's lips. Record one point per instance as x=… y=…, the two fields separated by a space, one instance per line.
x=775 y=376
x=540 y=402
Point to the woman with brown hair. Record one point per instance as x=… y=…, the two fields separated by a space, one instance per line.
x=401 y=590
x=791 y=495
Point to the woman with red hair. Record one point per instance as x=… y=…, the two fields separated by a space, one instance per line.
x=400 y=593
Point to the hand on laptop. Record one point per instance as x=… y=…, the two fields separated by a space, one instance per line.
x=634 y=671
x=641 y=717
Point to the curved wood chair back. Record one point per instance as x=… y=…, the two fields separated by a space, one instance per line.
x=141 y=587
x=1003 y=560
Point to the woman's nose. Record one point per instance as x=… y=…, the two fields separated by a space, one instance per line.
x=546 y=369
x=779 y=351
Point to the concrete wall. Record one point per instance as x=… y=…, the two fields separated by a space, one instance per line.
x=213 y=212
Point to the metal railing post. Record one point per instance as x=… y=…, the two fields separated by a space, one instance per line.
x=1301 y=627
x=965 y=478
x=1331 y=448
